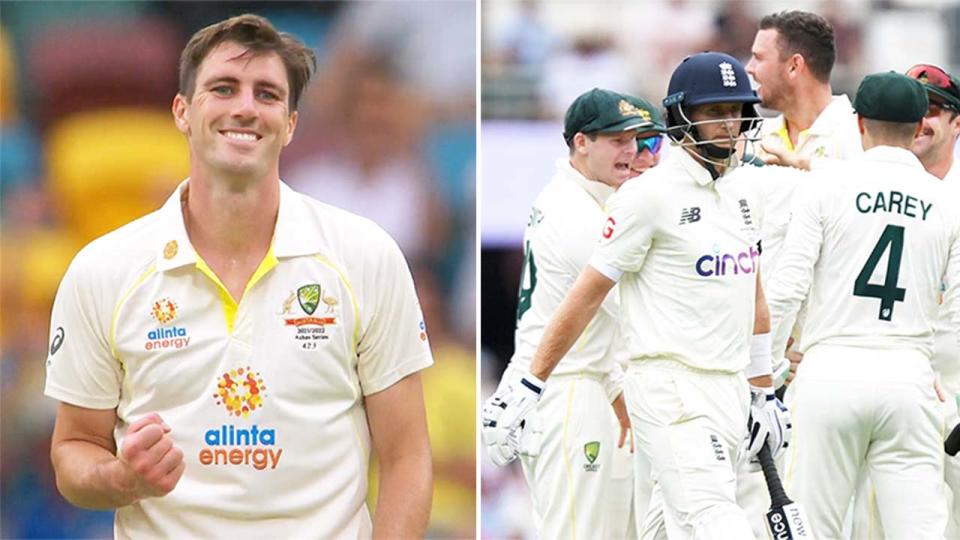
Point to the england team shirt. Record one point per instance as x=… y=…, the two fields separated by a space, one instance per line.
x=833 y=135
x=561 y=234
x=684 y=249
x=870 y=244
x=264 y=396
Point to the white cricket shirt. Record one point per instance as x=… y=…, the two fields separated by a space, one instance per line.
x=562 y=232
x=834 y=134
x=684 y=249
x=870 y=243
x=946 y=356
x=264 y=396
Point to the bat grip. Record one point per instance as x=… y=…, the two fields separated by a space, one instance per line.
x=952 y=445
x=778 y=497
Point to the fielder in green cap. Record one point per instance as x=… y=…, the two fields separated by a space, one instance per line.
x=939 y=133
x=573 y=440
x=870 y=244
x=934 y=145
x=891 y=97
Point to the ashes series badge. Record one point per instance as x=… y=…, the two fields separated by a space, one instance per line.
x=311 y=329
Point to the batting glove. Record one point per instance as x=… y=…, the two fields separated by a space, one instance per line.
x=769 y=424
x=504 y=415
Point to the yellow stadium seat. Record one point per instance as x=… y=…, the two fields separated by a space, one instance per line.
x=109 y=167
x=8 y=81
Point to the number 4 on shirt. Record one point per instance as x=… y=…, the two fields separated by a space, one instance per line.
x=888 y=293
x=528 y=280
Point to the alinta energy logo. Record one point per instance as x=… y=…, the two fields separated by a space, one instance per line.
x=240 y=392
x=165 y=311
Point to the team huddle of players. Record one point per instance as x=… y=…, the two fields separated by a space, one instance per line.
x=817 y=252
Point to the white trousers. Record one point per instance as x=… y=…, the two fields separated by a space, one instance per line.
x=689 y=425
x=865 y=518
x=874 y=410
x=621 y=519
x=570 y=479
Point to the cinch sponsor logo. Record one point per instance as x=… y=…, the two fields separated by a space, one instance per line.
x=744 y=262
x=240 y=392
x=174 y=337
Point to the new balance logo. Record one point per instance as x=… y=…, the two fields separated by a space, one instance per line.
x=689 y=215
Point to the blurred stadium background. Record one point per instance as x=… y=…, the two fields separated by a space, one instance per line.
x=536 y=57
x=387 y=130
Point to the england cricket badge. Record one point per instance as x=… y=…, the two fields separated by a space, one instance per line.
x=591 y=451
x=311 y=328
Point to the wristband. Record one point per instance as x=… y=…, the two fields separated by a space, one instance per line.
x=760 y=363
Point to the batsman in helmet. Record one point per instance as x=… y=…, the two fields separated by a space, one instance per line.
x=682 y=241
x=710 y=106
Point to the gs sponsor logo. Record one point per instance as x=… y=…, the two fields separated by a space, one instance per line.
x=608 y=228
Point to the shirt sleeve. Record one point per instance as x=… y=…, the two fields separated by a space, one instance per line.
x=793 y=275
x=81 y=369
x=393 y=341
x=628 y=232
x=951 y=279
x=613 y=381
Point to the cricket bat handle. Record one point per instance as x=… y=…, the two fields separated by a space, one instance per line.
x=777 y=496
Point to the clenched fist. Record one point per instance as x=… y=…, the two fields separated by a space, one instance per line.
x=154 y=462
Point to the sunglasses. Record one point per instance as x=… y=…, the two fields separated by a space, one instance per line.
x=652 y=144
x=936 y=107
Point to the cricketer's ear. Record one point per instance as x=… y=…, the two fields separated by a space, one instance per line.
x=580 y=143
x=181 y=115
x=291 y=127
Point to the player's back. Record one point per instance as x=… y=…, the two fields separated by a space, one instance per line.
x=887 y=227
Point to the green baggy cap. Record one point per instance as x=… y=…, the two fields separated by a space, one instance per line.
x=891 y=97
x=606 y=111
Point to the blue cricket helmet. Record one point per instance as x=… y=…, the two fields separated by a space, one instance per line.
x=708 y=77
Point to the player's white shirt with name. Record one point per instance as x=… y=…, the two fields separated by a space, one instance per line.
x=562 y=232
x=684 y=249
x=264 y=396
x=833 y=135
x=857 y=224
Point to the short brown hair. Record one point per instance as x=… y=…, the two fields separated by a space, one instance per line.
x=805 y=33
x=891 y=133
x=258 y=36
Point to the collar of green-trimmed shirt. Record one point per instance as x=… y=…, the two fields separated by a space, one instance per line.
x=837 y=112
